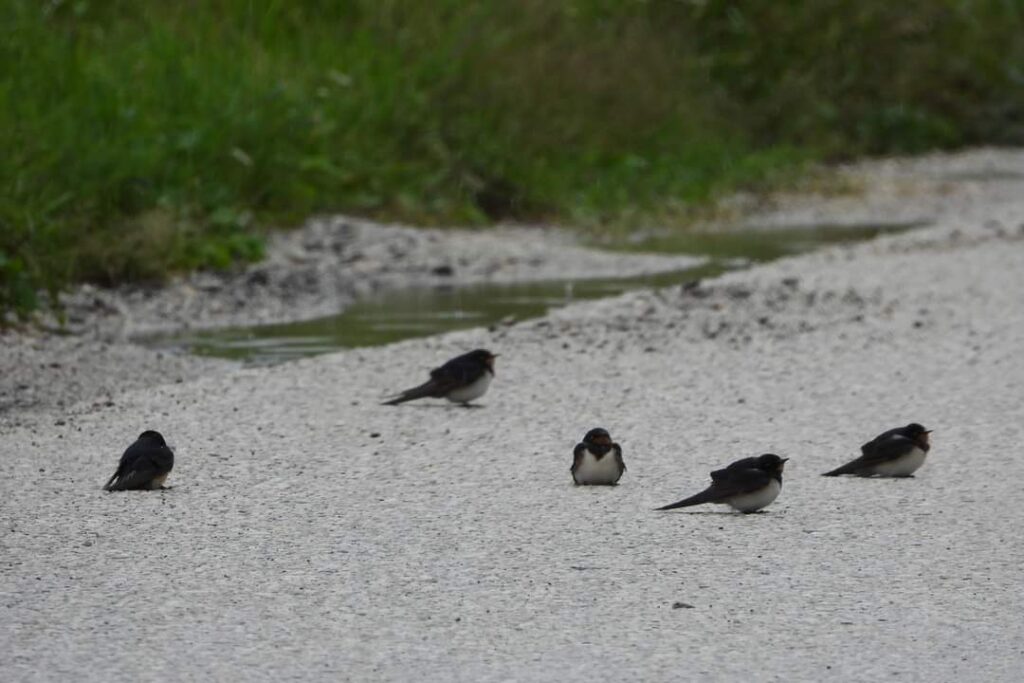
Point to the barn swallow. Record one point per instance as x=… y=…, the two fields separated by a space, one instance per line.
x=896 y=453
x=596 y=460
x=144 y=465
x=746 y=485
x=460 y=380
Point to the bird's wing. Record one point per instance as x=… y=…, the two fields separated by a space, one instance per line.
x=577 y=459
x=734 y=481
x=125 y=464
x=618 y=458
x=742 y=464
x=883 y=450
x=884 y=436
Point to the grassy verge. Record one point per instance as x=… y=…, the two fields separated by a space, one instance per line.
x=144 y=137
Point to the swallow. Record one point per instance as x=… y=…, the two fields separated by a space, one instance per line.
x=597 y=461
x=746 y=485
x=896 y=453
x=144 y=465
x=460 y=380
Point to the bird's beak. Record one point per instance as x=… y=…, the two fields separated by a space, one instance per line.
x=928 y=431
x=785 y=460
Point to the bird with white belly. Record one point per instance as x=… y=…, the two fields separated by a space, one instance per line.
x=896 y=453
x=597 y=460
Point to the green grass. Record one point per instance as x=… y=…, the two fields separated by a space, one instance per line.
x=145 y=137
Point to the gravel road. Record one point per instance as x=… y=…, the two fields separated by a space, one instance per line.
x=312 y=534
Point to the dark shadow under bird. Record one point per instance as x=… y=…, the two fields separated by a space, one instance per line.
x=746 y=485
x=896 y=453
x=460 y=380
x=144 y=465
x=597 y=461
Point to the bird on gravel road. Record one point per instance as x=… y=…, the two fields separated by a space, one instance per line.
x=597 y=461
x=896 y=453
x=460 y=380
x=746 y=485
x=144 y=465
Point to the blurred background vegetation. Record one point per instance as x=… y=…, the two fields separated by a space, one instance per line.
x=142 y=137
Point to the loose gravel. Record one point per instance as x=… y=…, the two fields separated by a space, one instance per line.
x=313 y=534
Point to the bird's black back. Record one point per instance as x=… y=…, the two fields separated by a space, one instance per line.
x=462 y=370
x=736 y=472
x=741 y=464
x=884 y=436
x=892 y=444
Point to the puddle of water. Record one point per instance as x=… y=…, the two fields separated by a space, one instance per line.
x=763 y=244
x=395 y=315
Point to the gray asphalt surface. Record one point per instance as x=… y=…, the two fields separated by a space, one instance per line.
x=313 y=534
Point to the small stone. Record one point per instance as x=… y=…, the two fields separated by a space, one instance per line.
x=682 y=605
x=258 y=278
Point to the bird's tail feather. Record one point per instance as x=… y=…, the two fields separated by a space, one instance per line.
x=109 y=486
x=848 y=468
x=422 y=391
x=706 y=496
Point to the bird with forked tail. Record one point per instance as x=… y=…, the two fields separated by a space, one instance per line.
x=460 y=380
x=896 y=453
x=746 y=485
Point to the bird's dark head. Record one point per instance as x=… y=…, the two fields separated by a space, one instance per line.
x=484 y=356
x=771 y=463
x=917 y=433
x=598 y=440
x=599 y=436
x=153 y=437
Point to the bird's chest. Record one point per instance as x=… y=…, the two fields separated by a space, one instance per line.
x=594 y=470
x=158 y=481
x=902 y=466
x=749 y=502
x=471 y=391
